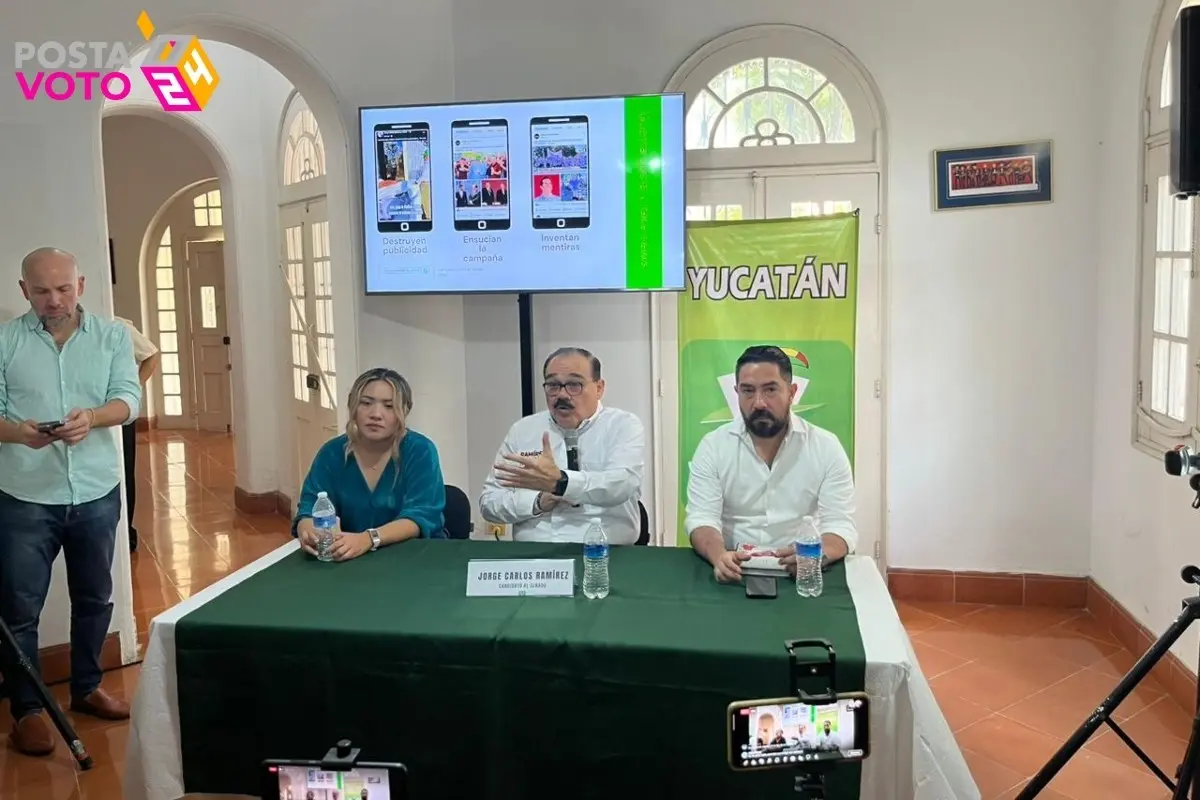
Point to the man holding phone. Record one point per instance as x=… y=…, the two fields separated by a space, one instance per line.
x=753 y=480
x=64 y=372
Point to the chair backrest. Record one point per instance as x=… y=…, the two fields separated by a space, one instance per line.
x=644 y=535
x=458 y=514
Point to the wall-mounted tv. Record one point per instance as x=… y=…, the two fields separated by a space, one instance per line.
x=524 y=196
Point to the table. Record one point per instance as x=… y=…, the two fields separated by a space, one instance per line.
x=477 y=692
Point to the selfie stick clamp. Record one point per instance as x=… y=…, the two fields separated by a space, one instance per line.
x=810 y=777
x=340 y=758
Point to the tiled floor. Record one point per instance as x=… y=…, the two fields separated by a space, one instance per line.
x=190 y=537
x=1012 y=682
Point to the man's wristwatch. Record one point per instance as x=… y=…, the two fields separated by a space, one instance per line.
x=560 y=488
x=374 y=534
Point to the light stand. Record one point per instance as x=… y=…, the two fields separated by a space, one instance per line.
x=1187 y=775
x=810 y=777
x=80 y=753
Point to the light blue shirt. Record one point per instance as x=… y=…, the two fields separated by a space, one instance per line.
x=40 y=382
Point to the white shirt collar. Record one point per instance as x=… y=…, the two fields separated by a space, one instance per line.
x=795 y=426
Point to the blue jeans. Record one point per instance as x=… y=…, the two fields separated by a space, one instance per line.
x=31 y=536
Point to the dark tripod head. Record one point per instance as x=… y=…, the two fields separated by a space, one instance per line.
x=1190 y=574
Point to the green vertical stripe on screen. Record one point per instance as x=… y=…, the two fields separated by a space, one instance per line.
x=643 y=193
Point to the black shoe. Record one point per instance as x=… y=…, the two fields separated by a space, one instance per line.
x=133 y=540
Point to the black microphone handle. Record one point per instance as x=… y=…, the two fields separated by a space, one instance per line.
x=573 y=459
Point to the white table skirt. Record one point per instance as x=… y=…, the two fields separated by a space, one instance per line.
x=913 y=753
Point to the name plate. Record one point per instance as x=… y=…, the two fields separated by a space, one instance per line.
x=529 y=577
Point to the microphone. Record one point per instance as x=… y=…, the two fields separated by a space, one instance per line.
x=1181 y=461
x=571 y=437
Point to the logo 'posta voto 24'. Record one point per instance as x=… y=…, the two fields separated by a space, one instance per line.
x=182 y=78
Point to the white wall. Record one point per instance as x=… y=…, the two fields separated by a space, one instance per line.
x=145 y=162
x=1143 y=527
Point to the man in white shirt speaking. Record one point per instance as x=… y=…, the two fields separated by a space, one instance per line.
x=577 y=462
x=754 y=480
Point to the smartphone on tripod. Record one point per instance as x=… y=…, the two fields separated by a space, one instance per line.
x=783 y=732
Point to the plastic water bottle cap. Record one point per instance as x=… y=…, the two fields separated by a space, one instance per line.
x=322 y=494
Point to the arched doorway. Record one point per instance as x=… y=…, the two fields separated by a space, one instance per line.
x=183 y=272
x=784 y=122
x=260 y=471
x=305 y=259
x=258 y=466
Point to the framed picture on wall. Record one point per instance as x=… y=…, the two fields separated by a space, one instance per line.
x=998 y=175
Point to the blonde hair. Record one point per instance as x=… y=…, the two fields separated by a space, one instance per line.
x=402 y=393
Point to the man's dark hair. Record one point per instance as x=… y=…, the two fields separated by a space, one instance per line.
x=574 y=351
x=766 y=354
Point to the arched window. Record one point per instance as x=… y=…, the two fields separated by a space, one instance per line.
x=207 y=209
x=779 y=87
x=303 y=151
x=1169 y=329
x=768 y=101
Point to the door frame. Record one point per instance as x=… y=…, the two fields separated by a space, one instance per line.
x=196 y=403
x=291 y=214
x=665 y=351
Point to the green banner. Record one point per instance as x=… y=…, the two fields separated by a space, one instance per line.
x=643 y=193
x=786 y=282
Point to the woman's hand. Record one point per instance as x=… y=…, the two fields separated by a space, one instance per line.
x=347 y=546
x=307 y=536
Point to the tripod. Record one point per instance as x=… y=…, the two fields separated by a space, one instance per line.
x=9 y=642
x=810 y=777
x=1187 y=776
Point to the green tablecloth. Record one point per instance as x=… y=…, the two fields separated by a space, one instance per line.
x=506 y=698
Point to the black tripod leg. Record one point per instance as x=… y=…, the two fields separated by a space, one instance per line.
x=78 y=751
x=1127 y=684
x=1187 y=770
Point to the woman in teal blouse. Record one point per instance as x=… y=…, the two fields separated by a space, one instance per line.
x=384 y=480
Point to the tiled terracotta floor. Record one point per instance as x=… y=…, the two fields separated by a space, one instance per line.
x=190 y=537
x=1012 y=682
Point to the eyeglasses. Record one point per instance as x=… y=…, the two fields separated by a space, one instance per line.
x=554 y=387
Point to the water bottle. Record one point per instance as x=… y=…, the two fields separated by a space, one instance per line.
x=324 y=517
x=595 y=563
x=809 y=579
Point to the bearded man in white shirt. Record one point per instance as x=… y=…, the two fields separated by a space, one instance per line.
x=577 y=462
x=754 y=480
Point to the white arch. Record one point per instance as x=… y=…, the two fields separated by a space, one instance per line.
x=801 y=44
x=318 y=89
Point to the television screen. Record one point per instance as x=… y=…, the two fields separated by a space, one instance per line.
x=525 y=196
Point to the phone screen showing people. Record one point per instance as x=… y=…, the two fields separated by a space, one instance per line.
x=360 y=783
x=771 y=734
x=480 y=166
x=402 y=195
x=559 y=157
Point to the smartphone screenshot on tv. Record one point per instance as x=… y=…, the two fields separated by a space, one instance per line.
x=402 y=194
x=559 y=155
x=778 y=733
x=481 y=179
x=307 y=781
